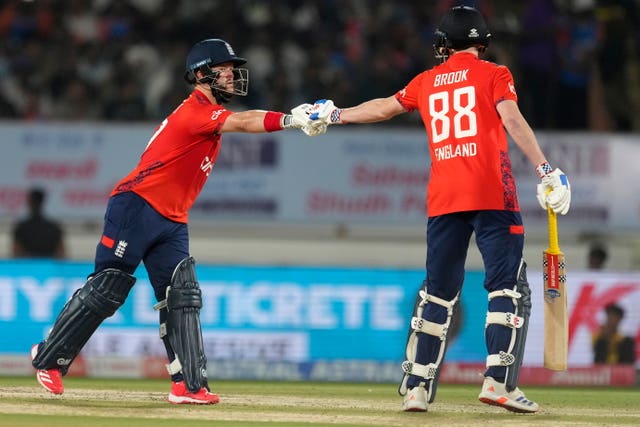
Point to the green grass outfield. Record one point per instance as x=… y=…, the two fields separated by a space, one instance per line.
x=107 y=402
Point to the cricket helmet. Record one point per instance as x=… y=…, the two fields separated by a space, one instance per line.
x=209 y=53
x=460 y=28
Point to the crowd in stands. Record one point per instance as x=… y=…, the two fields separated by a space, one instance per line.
x=575 y=62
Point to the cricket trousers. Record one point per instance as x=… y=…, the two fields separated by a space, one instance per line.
x=135 y=232
x=500 y=239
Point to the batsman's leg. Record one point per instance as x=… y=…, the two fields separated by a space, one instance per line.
x=512 y=312
x=505 y=393
x=447 y=243
x=420 y=381
x=500 y=238
x=182 y=330
x=98 y=299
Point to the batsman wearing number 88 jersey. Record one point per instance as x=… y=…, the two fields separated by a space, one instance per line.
x=466 y=104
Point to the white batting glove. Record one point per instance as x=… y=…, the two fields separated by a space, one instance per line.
x=300 y=120
x=559 y=198
x=314 y=129
x=325 y=111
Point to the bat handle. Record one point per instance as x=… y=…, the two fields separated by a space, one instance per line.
x=554 y=246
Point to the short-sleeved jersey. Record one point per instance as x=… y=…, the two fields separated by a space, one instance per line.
x=470 y=166
x=179 y=158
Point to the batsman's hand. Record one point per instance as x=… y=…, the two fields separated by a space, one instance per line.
x=300 y=120
x=323 y=110
x=559 y=198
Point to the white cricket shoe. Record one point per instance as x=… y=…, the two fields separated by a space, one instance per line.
x=495 y=393
x=416 y=400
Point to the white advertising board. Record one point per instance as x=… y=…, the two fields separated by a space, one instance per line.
x=353 y=174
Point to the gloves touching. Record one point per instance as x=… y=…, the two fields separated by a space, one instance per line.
x=314 y=118
x=299 y=119
x=554 y=190
x=325 y=111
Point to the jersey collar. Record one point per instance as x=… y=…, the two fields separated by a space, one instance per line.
x=201 y=97
x=463 y=56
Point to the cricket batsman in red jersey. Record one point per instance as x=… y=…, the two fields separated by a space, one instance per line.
x=146 y=221
x=466 y=104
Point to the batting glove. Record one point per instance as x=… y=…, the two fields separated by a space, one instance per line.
x=326 y=112
x=559 y=198
x=299 y=119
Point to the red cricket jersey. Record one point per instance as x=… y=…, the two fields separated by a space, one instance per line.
x=470 y=167
x=179 y=157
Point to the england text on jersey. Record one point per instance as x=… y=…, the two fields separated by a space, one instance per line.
x=468 y=149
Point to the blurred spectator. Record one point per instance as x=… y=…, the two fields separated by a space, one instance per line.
x=112 y=59
x=597 y=257
x=609 y=345
x=537 y=59
x=577 y=42
x=618 y=22
x=37 y=236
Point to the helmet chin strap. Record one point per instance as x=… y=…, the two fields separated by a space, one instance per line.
x=221 y=97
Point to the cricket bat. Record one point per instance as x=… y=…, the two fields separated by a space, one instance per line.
x=556 y=325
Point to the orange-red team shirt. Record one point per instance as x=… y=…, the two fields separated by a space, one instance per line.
x=470 y=167
x=179 y=157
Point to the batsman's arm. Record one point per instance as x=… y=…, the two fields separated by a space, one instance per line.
x=257 y=121
x=374 y=110
x=559 y=199
x=520 y=131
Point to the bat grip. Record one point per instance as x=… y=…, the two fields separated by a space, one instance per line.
x=554 y=247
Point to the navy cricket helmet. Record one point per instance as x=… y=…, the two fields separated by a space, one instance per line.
x=460 y=28
x=209 y=53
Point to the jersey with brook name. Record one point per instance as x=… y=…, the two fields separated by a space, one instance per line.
x=179 y=157
x=470 y=167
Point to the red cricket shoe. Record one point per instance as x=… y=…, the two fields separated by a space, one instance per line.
x=50 y=379
x=180 y=394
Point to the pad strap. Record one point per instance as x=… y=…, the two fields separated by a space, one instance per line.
x=506 y=319
x=428 y=372
x=504 y=293
x=444 y=303
x=174 y=367
x=419 y=324
x=163 y=326
x=163 y=330
x=501 y=359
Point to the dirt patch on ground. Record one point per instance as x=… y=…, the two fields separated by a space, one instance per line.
x=276 y=409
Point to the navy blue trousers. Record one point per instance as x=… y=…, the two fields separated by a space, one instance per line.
x=500 y=239
x=135 y=232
